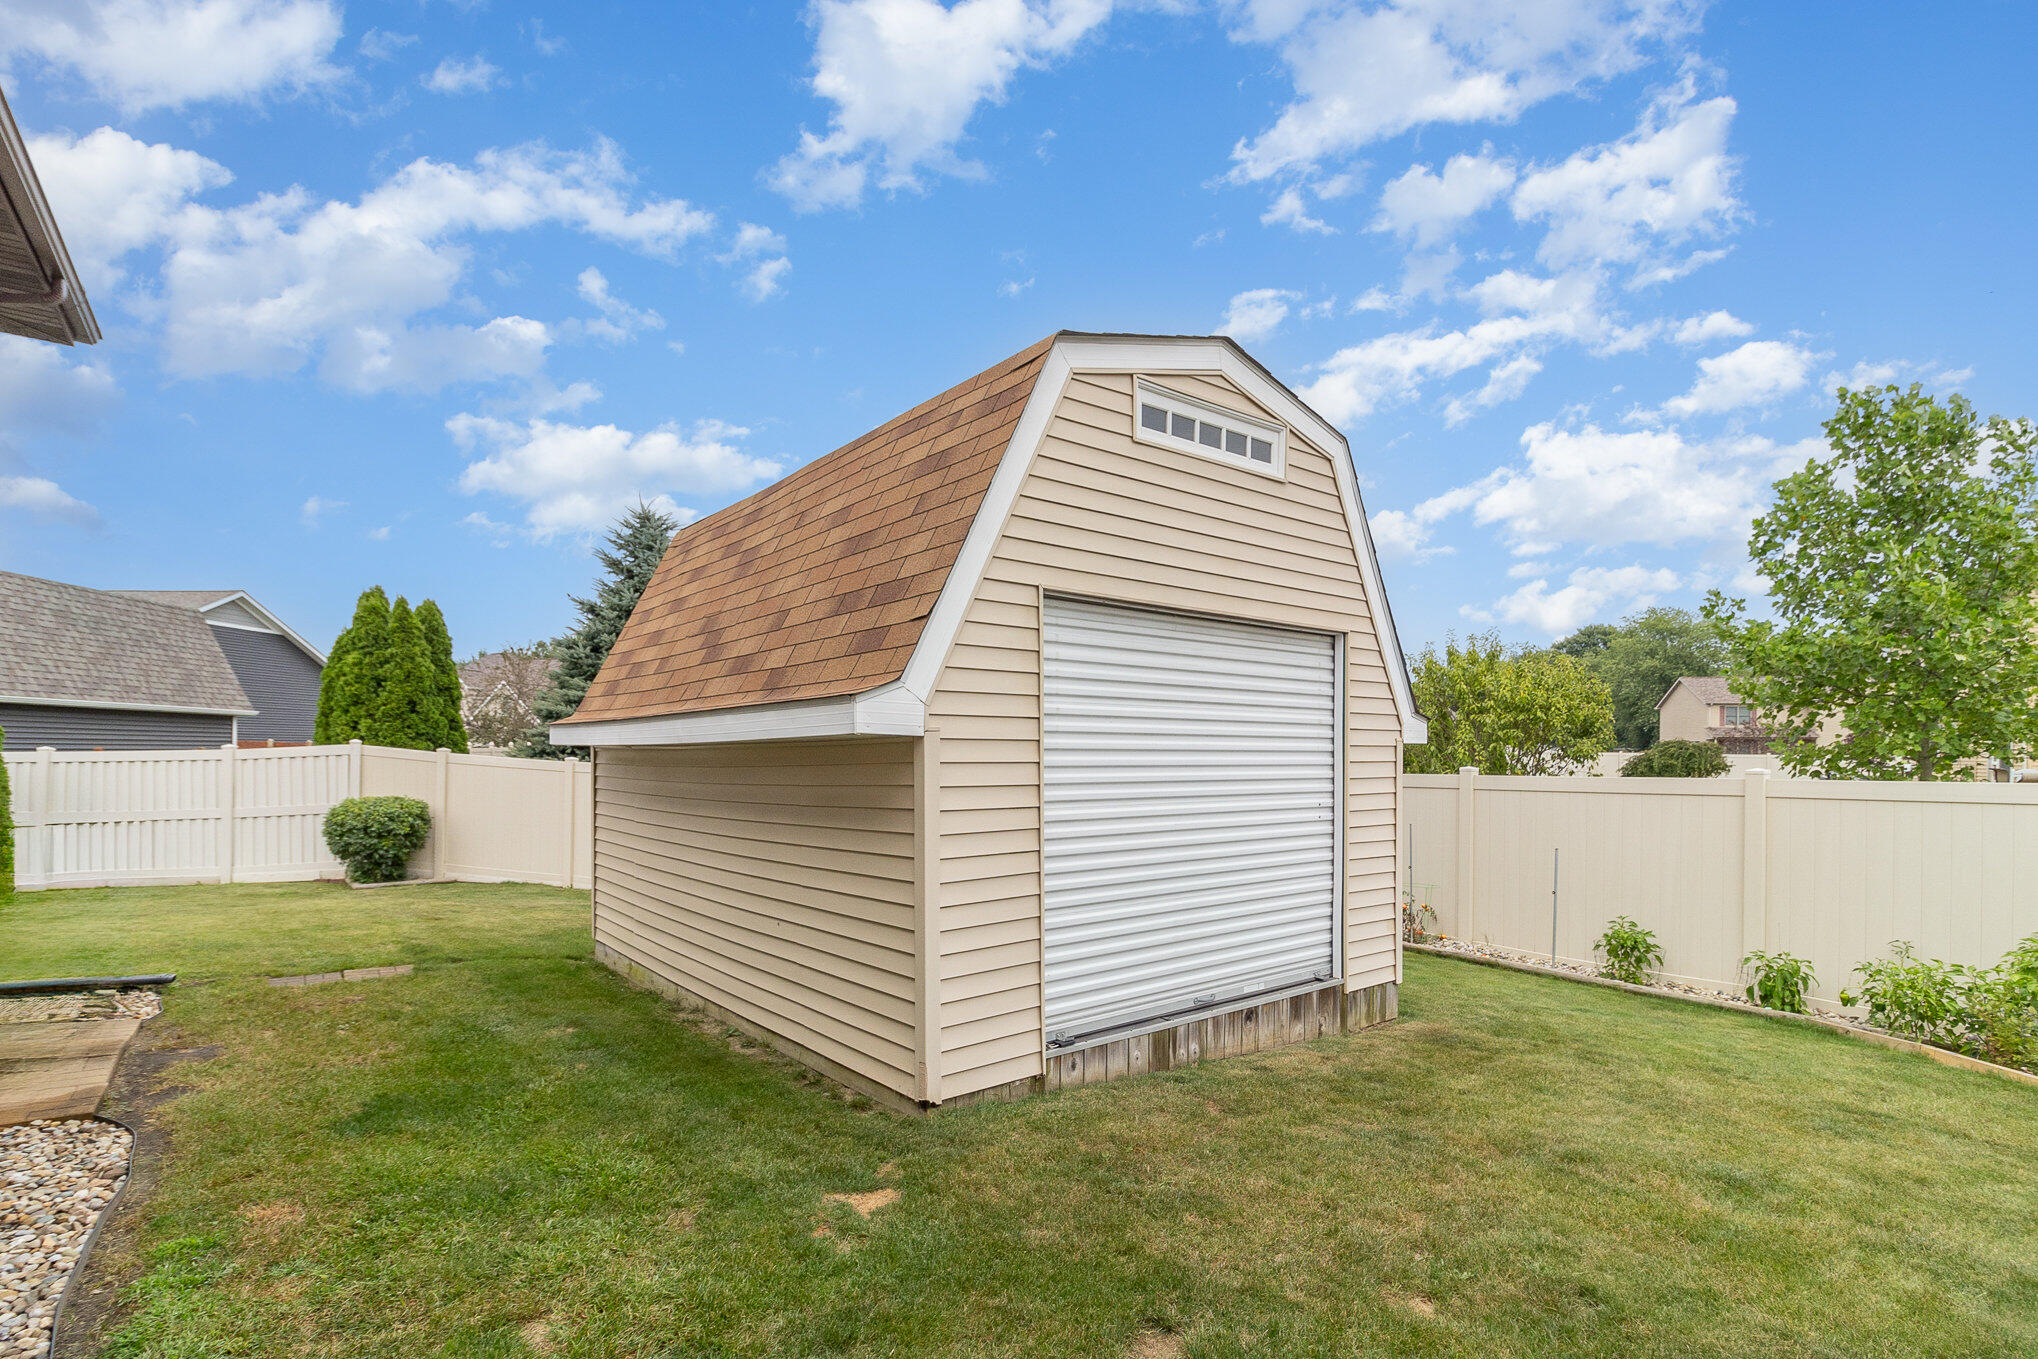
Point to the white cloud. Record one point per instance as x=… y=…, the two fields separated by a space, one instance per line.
x=287 y=280
x=115 y=194
x=1361 y=74
x=42 y=497
x=1753 y=375
x=1591 y=592
x=44 y=387
x=906 y=77
x=379 y=44
x=1595 y=488
x=1629 y=201
x=766 y=279
x=381 y=533
x=150 y=54
x=1403 y=535
x=1504 y=382
x=454 y=76
x=316 y=508
x=575 y=478
x=1429 y=207
x=1716 y=325
x=619 y=320
x=1012 y=287
x=1256 y=314
x=1289 y=210
x=1883 y=373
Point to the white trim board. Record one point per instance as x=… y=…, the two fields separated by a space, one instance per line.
x=887 y=711
x=32 y=702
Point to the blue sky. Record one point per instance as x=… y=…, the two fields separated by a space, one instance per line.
x=419 y=294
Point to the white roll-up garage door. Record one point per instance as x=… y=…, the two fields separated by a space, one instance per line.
x=1189 y=789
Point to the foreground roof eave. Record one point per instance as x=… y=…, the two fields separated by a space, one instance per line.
x=22 y=196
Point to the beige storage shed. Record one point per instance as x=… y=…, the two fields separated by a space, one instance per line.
x=1046 y=733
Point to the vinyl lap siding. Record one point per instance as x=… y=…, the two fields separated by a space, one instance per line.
x=1105 y=516
x=29 y=726
x=280 y=681
x=773 y=879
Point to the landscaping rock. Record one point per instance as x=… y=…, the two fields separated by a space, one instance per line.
x=56 y=1177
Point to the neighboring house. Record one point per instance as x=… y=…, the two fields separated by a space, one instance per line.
x=92 y=670
x=1045 y=733
x=40 y=295
x=1705 y=708
x=278 y=669
x=497 y=692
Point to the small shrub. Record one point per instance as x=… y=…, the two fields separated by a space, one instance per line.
x=1921 y=999
x=375 y=836
x=1630 y=951
x=1781 y=981
x=1678 y=760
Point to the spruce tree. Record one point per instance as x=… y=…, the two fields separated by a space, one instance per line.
x=636 y=545
x=405 y=713
x=452 y=728
x=346 y=693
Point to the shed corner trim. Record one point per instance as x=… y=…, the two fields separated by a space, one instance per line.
x=888 y=710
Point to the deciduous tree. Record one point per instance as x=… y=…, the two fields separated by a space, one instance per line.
x=1507 y=711
x=1903 y=576
x=1641 y=658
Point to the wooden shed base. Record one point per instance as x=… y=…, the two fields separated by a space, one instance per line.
x=1253 y=1028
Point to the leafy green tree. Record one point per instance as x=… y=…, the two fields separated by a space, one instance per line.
x=1903 y=574
x=1641 y=658
x=406 y=710
x=6 y=830
x=1517 y=711
x=1678 y=760
x=347 y=690
x=636 y=545
x=438 y=641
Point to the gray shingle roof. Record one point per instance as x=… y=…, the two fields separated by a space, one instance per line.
x=1707 y=689
x=71 y=644
x=183 y=599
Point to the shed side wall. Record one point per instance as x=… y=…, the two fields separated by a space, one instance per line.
x=1105 y=516
x=774 y=879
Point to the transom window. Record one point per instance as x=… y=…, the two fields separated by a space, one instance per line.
x=1172 y=420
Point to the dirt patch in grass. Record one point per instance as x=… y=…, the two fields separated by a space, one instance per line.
x=1153 y=1343
x=538 y=1335
x=866 y=1203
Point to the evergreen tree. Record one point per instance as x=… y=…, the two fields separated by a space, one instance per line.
x=346 y=693
x=405 y=713
x=635 y=547
x=6 y=830
x=452 y=729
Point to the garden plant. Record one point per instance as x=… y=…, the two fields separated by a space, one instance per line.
x=1630 y=951
x=375 y=836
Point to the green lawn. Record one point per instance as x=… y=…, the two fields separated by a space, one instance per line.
x=511 y=1153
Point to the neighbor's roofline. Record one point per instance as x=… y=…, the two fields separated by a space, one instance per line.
x=23 y=189
x=243 y=597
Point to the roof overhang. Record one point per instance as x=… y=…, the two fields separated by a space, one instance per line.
x=900 y=708
x=885 y=711
x=247 y=601
x=38 y=701
x=45 y=300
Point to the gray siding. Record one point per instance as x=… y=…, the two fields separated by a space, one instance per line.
x=281 y=682
x=110 y=729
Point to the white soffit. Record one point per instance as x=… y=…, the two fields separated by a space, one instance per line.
x=887 y=711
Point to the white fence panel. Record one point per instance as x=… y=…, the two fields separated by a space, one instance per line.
x=103 y=818
x=1830 y=871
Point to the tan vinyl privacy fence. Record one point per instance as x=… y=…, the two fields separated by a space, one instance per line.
x=131 y=818
x=1829 y=871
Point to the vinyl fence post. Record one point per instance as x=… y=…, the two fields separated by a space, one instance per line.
x=227 y=810
x=572 y=766
x=1468 y=778
x=47 y=840
x=439 y=813
x=1754 y=860
x=354 y=767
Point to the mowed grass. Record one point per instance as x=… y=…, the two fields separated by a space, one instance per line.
x=511 y=1153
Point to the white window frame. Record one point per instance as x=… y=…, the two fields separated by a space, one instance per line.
x=1149 y=393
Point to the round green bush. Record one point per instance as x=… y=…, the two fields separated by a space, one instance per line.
x=1678 y=760
x=375 y=836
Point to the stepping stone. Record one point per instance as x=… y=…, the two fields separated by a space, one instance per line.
x=59 y=1070
x=351 y=974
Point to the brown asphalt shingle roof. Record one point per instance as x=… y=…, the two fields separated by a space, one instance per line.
x=1707 y=688
x=818 y=585
x=71 y=643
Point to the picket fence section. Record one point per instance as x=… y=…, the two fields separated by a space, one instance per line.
x=1718 y=868
x=135 y=818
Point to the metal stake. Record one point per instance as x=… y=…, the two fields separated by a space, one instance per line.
x=1554 y=861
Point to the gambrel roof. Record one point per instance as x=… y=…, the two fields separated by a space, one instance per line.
x=825 y=603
